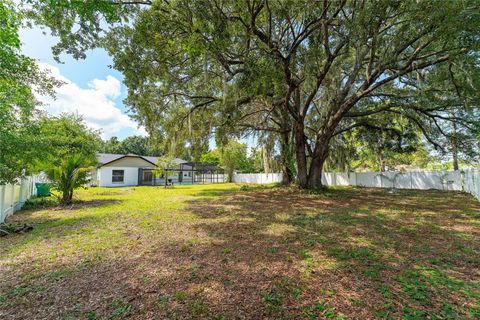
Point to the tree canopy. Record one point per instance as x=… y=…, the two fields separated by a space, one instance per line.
x=234 y=158
x=20 y=79
x=305 y=71
x=69 y=149
x=133 y=144
x=65 y=135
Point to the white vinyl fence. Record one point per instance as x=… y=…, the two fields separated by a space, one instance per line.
x=13 y=196
x=441 y=180
x=471 y=183
x=468 y=180
x=263 y=178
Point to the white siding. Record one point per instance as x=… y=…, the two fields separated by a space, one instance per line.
x=104 y=176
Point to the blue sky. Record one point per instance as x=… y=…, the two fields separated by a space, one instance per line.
x=91 y=88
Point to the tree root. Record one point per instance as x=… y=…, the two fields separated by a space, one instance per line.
x=7 y=229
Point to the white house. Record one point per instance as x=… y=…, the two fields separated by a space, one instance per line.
x=117 y=170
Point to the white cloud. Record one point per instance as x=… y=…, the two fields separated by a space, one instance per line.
x=109 y=87
x=96 y=103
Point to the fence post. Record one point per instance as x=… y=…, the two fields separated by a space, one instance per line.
x=477 y=186
x=31 y=187
x=2 y=202
x=31 y=183
x=23 y=195
x=12 y=198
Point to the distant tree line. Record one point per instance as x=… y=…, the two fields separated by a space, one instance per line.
x=130 y=145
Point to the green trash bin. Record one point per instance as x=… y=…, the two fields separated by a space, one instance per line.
x=43 y=189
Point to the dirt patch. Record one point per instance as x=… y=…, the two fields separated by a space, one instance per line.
x=273 y=254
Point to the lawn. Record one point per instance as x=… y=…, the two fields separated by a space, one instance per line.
x=232 y=252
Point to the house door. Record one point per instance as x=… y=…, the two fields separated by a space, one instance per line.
x=147 y=177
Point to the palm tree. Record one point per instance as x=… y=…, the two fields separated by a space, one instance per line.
x=70 y=174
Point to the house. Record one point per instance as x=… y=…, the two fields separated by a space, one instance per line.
x=116 y=170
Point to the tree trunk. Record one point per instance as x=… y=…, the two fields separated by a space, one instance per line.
x=382 y=161
x=455 y=148
x=316 y=167
x=67 y=197
x=286 y=159
x=265 y=160
x=301 y=155
x=320 y=155
x=455 y=160
x=287 y=175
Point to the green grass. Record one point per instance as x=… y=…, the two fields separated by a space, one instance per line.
x=103 y=220
x=217 y=251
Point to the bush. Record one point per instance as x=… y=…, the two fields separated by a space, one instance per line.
x=40 y=202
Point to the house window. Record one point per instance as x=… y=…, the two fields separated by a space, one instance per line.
x=117 y=175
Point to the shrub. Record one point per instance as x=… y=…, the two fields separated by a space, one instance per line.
x=40 y=202
x=70 y=174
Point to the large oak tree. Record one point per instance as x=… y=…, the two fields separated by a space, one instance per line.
x=306 y=70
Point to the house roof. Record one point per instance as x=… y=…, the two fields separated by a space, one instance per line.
x=154 y=159
x=105 y=158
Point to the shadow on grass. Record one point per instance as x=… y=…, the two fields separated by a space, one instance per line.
x=281 y=254
x=408 y=254
x=31 y=212
x=51 y=224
